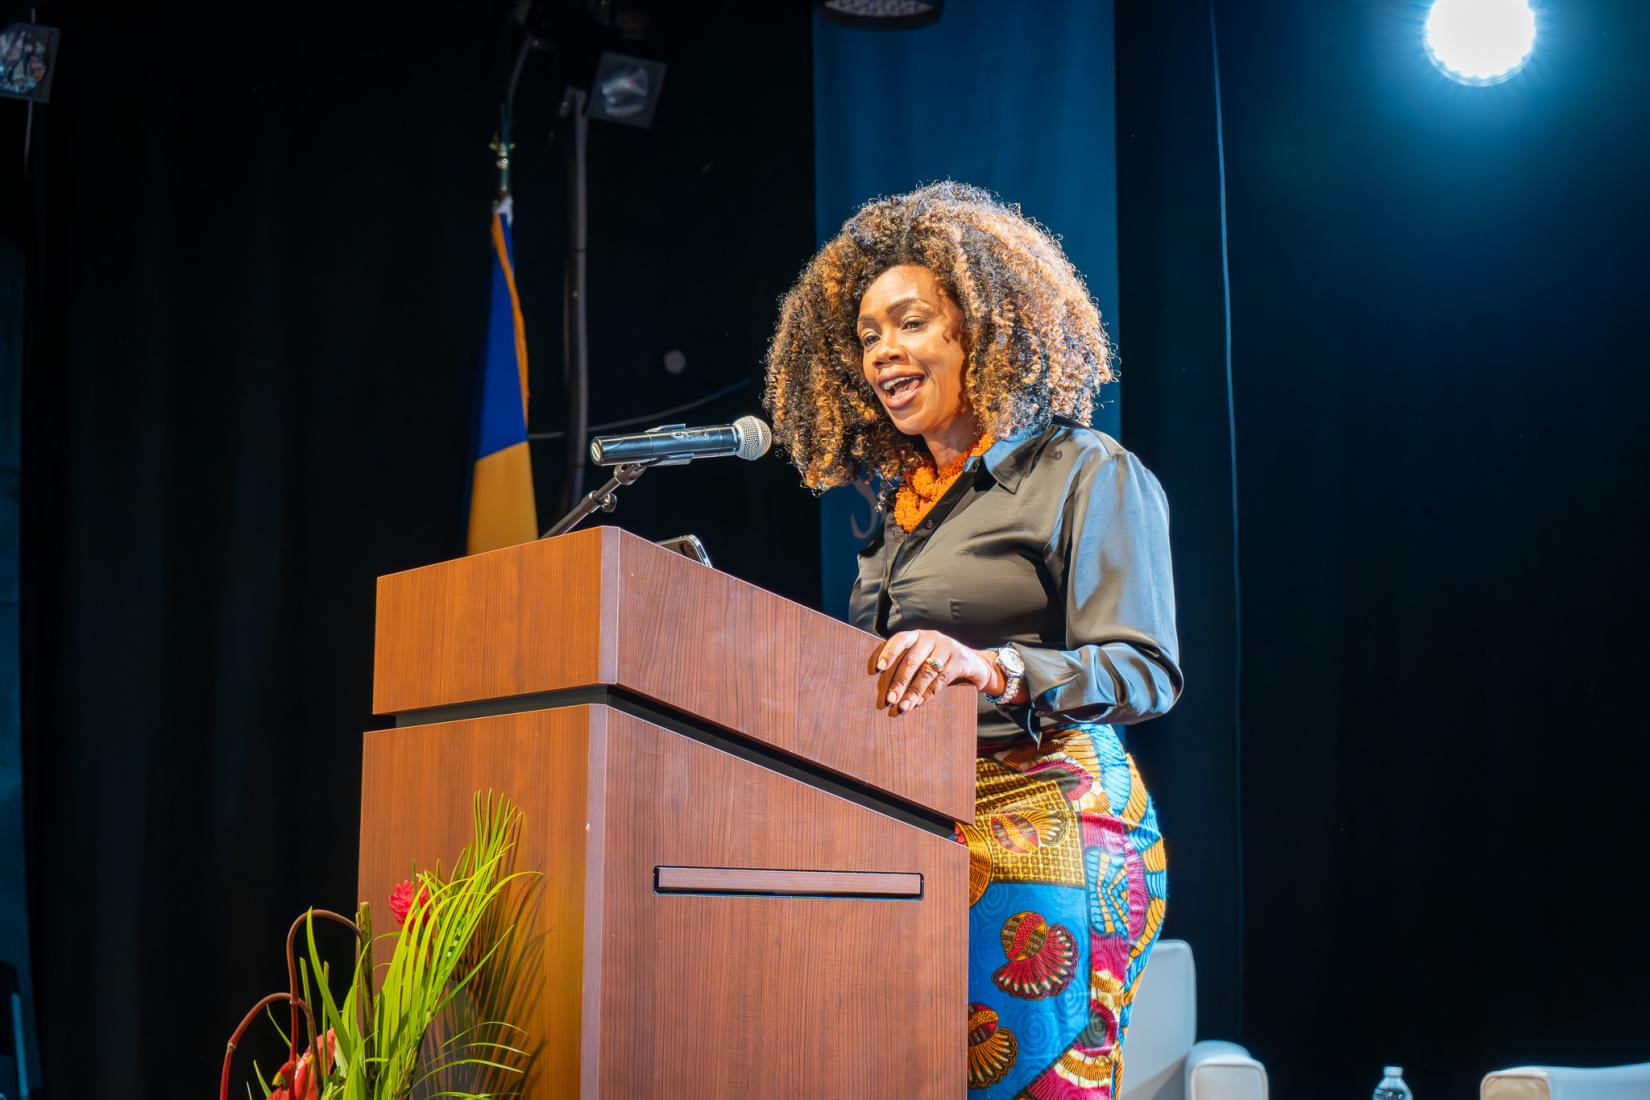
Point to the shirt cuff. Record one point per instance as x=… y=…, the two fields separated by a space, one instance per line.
x=1047 y=671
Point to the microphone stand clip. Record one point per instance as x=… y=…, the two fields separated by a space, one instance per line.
x=669 y=461
x=603 y=499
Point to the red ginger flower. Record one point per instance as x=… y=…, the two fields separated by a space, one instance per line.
x=401 y=900
x=305 y=1081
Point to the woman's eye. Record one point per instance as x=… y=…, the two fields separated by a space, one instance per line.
x=913 y=324
x=868 y=339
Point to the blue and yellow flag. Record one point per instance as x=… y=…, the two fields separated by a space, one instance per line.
x=502 y=512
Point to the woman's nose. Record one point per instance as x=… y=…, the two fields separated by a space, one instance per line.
x=887 y=351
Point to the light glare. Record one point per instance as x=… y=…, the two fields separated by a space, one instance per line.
x=1480 y=41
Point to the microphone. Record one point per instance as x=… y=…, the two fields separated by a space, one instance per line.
x=676 y=444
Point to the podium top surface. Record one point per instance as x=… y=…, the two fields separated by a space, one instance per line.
x=605 y=608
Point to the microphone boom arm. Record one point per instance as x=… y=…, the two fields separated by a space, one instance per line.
x=602 y=499
x=666 y=445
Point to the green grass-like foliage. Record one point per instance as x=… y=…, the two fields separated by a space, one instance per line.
x=433 y=1021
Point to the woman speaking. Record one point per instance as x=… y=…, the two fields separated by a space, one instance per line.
x=943 y=345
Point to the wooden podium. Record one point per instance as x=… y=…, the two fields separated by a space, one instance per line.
x=749 y=885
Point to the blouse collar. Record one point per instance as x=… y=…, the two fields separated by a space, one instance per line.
x=1009 y=460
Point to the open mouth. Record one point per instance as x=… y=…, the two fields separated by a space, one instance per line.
x=898 y=392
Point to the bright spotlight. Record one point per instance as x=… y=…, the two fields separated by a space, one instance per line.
x=1480 y=41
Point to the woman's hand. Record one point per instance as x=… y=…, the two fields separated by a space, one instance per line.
x=912 y=679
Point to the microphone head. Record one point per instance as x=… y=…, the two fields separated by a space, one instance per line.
x=755 y=437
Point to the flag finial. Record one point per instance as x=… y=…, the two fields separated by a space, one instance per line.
x=502 y=147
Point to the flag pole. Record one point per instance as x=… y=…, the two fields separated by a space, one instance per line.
x=502 y=147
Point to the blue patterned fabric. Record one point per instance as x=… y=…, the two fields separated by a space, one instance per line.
x=1067 y=889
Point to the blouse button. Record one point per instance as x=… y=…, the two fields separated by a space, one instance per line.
x=1057 y=452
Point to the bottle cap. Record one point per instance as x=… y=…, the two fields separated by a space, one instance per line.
x=1393 y=1071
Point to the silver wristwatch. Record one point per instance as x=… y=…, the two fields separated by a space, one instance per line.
x=1014 y=671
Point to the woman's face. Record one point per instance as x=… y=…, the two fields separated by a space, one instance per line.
x=911 y=333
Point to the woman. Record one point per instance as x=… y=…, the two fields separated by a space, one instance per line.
x=943 y=345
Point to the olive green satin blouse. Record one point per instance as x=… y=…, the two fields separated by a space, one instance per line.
x=1057 y=544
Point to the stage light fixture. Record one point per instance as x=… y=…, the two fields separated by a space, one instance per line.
x=626 y=89
x=881 y=15
x=1480 y=41
x=28 y=58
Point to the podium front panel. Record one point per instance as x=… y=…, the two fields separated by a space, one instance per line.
x=825 y=957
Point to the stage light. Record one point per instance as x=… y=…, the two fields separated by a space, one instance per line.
x=28 y=58
x=1480 y=41
x=626 y=89
x=882 y=15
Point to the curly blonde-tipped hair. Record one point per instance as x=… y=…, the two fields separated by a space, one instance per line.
x=1035 y=346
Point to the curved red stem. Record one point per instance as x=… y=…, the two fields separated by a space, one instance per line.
x=292 y=980
x=246 y=1022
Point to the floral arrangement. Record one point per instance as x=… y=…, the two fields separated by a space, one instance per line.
x=436 y=1018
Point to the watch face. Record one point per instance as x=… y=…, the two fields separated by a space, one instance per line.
x=1010 y=660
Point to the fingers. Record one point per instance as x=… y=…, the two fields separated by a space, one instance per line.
x=905 y=670
x=939 y=680
x=928 y=681
x=904 y=659
x=893 y=647
x=914 y=673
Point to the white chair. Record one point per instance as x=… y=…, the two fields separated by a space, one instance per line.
x=1162 y=1059
x=1556 y=1082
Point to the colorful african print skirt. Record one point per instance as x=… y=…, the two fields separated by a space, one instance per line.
x=1066 y=892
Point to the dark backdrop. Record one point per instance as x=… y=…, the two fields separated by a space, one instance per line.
x=1175 y=412
x=262 y=269
x=1440 y=386
x=260 y=280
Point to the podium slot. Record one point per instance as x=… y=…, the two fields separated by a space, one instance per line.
x=759 y=882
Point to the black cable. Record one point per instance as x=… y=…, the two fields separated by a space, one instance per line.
x=575 y=293
x=1237 y=585
x=652 y=416
x=522 y=51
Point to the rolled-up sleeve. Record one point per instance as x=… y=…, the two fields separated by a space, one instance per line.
x=1120 y=662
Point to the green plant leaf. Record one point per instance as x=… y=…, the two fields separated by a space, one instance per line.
x=450 y=984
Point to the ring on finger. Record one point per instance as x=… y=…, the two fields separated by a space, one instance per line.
x=934 y=666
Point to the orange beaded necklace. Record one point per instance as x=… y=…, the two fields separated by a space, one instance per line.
x=919 y=492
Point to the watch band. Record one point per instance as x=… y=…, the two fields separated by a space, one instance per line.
x=1011 y=679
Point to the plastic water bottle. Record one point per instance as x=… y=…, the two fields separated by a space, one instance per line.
x=1392 y=1085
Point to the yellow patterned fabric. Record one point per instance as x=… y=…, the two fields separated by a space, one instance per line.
x=1067 y=888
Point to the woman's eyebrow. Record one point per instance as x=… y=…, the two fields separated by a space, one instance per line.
x=894 y=306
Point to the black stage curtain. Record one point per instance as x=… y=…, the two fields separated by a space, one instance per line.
x=1174 y=417
x=259 y=285
x=1439 y=389
x=262 y=272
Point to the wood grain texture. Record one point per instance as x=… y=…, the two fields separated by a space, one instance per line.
x=603 y=606
x=509 y=622
x=732 y=654
x=816 y=884
x=646 y=995
x=417 y=786
x=770 y=996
